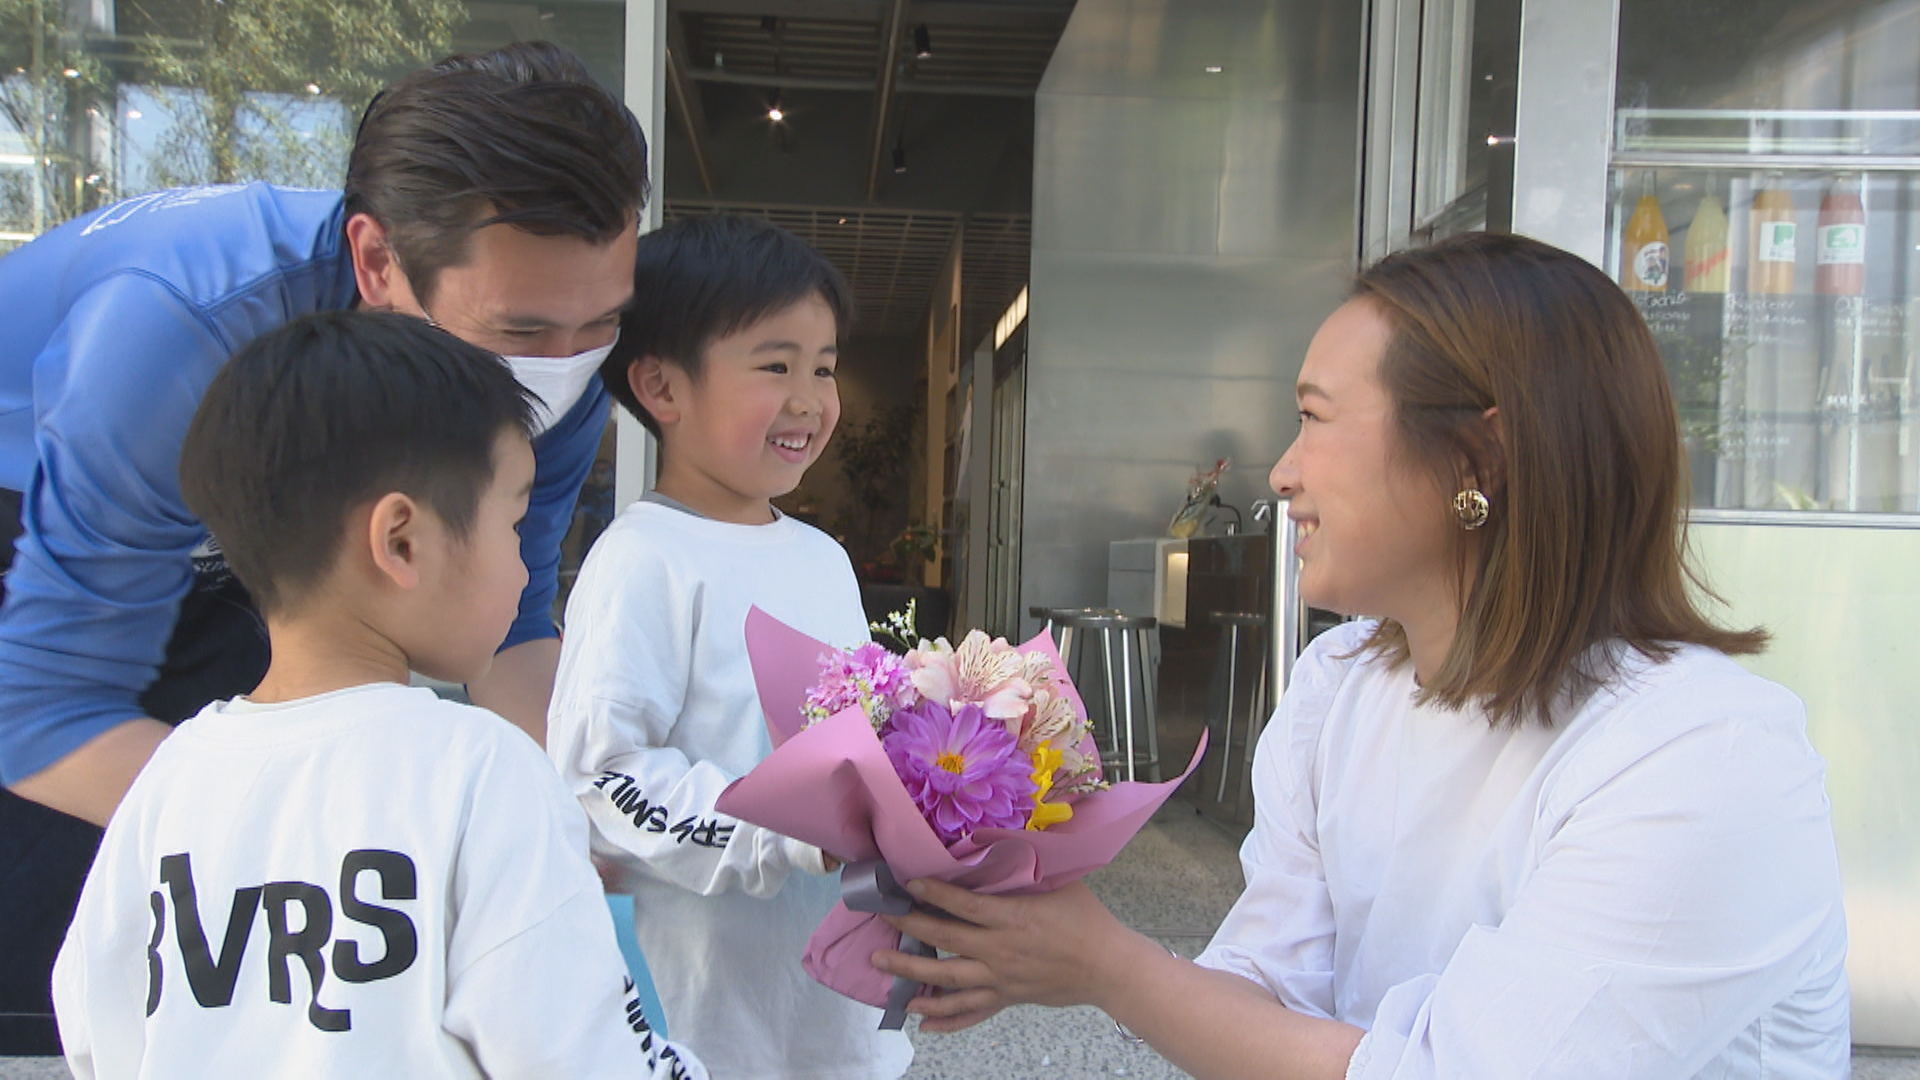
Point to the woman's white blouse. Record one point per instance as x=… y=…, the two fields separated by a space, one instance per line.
x=1647 y=889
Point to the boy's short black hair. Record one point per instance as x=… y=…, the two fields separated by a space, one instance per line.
x=330 y=412
x=701 y=278
x=520 y=136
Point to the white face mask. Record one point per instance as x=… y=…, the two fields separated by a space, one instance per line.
x=558 y=381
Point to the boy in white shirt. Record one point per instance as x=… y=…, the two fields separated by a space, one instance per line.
x=338 y=875
x=728 y=356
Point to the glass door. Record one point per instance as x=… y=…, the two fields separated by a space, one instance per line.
x=1763 y=210
x=1440 y=121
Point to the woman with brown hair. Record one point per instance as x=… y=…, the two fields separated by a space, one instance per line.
x=1527 y=819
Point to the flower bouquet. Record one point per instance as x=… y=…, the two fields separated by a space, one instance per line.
x=1203 y=494
x=971 y=764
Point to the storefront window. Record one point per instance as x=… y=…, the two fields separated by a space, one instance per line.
x=1766 y=218
x=1469 y=64
x=103 y=101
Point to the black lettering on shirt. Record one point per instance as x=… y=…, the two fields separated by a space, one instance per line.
x=656 y=1049
x=306 y=943
x=636 y=1012
x=712 y=834
x=398 y=881
x=211 y=981
x=626 y=797
x=154 y=967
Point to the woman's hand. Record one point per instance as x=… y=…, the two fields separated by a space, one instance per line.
x=1049 y=949
x=1064 y=948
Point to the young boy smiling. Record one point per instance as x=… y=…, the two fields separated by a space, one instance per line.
x=728 y=356
x=337 y=874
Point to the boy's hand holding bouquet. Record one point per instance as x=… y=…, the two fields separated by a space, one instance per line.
x=972 y=765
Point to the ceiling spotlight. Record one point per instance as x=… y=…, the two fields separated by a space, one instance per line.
x=1214 y=69
x=899 y=156
x=774 y=112
x=922 y=42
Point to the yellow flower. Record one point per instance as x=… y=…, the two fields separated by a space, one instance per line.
x=1045 y=761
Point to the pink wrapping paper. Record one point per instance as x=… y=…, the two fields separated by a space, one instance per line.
x=832 y=786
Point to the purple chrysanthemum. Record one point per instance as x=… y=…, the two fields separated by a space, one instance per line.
x=964 y=770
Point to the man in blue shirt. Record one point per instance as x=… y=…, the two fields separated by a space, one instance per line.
x=496 y=196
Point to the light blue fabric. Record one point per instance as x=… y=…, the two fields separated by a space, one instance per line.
x=113 y=326
x=622 y=908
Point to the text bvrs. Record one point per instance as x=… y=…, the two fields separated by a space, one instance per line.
x=300 y=924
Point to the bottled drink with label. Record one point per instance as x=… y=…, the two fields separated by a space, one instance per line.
x=1643 y=263
x=1706 y=269
x=1776 y=247
x=1840 y=241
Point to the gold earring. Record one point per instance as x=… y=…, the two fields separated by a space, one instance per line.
x=1470 y=508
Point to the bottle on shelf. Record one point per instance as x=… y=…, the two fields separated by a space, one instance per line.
x=1840 y=240
x=1643 y=263
x=1706 y=250
x=1776 y=249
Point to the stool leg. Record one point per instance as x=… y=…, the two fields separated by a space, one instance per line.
x=1066 y=653
x=1226 y=736
x=1126 y=699
x=1113 y=708
x=1149 y=697
x=1256 y=725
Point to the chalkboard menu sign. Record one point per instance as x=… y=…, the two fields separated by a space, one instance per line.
x=1791 y=401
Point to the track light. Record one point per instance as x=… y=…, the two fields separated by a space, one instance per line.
x=774 y=112
x=922 y=42
x=899 y=156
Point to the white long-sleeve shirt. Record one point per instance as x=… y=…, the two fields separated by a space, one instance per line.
x=372 y=882
x=654 y=713
x=1648 y=889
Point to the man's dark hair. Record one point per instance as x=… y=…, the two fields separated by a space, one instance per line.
x=521 y=136
x=328 y=413
x=701 y=278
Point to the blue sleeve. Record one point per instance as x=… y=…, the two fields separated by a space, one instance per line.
x=98 y=575
x=561 y=459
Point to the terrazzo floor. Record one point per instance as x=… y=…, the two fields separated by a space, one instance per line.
x=1174 y=882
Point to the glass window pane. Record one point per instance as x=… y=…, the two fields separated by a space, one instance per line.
x=103 y=101
x=1469 y=64
x=1766 y=218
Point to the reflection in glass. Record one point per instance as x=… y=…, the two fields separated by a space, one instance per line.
x=1778 y=142
x=1469 y=65
x=1786 y=332
x=102 y=101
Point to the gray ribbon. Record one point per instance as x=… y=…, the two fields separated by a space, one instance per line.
x=870 y=887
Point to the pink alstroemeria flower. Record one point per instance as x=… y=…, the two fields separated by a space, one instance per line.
x=983 y=671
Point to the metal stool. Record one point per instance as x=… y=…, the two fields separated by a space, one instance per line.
x=1050 y=615
x=1136 y=644
x=1255 y=624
